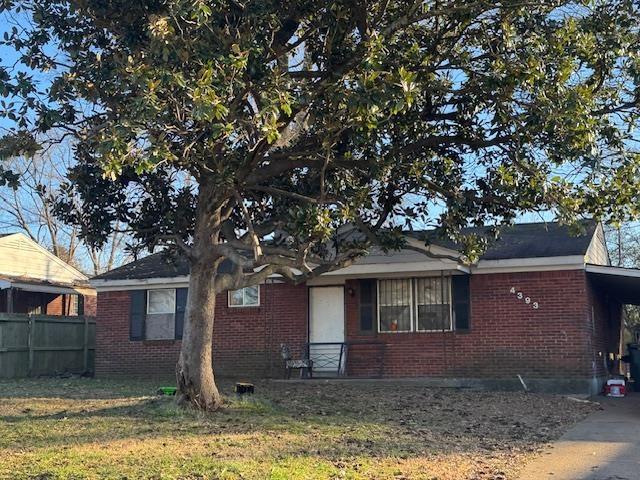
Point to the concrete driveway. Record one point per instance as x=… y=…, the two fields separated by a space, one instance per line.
x=604 y=446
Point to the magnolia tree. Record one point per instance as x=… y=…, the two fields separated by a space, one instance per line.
x=287 y=137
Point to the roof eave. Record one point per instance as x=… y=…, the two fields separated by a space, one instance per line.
x=531 y=264
x=103 y=285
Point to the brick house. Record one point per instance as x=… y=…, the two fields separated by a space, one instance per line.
x=34 y=281
x=539 y=304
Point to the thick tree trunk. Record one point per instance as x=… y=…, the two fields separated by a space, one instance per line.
x=194 y=372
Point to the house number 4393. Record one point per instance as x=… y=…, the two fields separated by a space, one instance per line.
x=524 y=298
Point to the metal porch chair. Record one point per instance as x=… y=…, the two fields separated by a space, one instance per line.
x=305 y=365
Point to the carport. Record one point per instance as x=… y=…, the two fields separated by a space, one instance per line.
x=33 y=296
x=619 y=286
x=619 y=283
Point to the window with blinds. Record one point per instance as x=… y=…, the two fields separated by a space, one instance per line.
x=419 y=304
x=433 y=304
x=395 y=305
x=160 y=321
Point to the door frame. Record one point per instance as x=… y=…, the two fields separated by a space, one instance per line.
x=344 y=308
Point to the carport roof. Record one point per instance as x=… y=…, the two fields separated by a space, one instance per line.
x=45 y=286
x=621 y=283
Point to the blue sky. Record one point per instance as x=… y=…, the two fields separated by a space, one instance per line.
x=9 y=59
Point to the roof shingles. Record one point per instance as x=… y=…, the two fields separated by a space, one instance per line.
x=525 y=240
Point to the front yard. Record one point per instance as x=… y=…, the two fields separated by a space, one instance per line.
x=84 y=428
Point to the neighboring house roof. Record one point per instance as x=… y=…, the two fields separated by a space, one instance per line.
x=25 y=264
x=525 y=240
x=528 y=240
x=157 y=265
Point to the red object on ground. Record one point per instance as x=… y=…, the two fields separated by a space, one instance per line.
x=615 y=387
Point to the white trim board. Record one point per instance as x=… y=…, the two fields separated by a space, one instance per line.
x=389 y=268
x=609 y=270
x=539 y=264
x=325 y=280
x=52 y=289
x=140 y=284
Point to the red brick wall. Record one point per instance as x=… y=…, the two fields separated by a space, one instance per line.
x=507 y=336
x=63 y=304
x=246 y=340
x=56 y=304
x=26 y=301
x=90 y=305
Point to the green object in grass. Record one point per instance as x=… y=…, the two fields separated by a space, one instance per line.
x=167 y=390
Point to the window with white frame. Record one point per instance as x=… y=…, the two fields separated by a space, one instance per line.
x=245 y=297
x=395 y=307
x=160 y=322
x=410 y=305
x=433 y=305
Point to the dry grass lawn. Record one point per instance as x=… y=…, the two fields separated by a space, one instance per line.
x=94 y=429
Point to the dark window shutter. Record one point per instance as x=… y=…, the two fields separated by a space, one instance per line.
x=137 y=314
x=461 y=301
x=368 y=312
x=181 y=307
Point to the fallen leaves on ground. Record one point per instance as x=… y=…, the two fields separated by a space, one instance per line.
x=84 y=428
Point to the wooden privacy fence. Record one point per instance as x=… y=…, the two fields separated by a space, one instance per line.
x=33 y=345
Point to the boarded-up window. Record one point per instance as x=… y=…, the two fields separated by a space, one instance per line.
x=161 y=310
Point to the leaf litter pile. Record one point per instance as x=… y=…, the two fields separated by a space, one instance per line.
x=82 y=428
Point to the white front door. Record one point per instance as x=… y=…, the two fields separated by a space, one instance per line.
x=326 y=328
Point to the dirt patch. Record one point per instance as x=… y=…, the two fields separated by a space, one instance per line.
x=83 y=428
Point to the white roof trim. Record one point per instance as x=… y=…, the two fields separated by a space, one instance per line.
x=29 y=287
x=140 y=284
x=341 y=279
x=609 y=270
x=536 y=264
x=383 y=268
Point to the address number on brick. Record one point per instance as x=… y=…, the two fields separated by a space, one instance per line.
x=527 y=300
